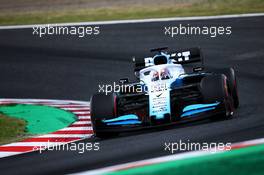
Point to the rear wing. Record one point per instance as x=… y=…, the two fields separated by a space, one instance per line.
x=184 y=56
x=187 y=56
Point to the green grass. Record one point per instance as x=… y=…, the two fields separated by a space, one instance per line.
x=18 y=121
x=40 y=119
x=11 y=129
x=206 y=7
x=243 y=161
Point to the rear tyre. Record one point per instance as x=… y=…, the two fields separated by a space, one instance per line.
x=102 y=107
x=214 y=88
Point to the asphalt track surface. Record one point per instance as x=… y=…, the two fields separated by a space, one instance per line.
x=68 y=67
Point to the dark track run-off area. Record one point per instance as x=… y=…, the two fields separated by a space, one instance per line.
x=68 y=67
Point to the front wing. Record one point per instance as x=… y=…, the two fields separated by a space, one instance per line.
x=131 y=122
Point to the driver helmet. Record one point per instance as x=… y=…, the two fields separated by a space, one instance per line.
x=165 y=74
x=154 y=75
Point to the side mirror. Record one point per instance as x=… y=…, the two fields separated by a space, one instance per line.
x=137 y=75
x=198 y=69
x=123 y=81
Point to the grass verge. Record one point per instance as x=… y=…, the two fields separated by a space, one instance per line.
x=11 y=129
x=243 y=161
x=40 y=119
x=18 y=121
x=194 y=8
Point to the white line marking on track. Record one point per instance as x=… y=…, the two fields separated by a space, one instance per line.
x=84 y=117
x=88 y=113
x=66 y=135
x=82 y=122
x=6 y=154
x=76 y=129
x=52 y=101
x=137 y=21
x=73 y=105
x=35 y=144
x=72 y=109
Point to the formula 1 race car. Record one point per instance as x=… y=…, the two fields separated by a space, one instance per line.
x=171 y=87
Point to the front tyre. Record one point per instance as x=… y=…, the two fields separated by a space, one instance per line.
x=215 y=88
x=232 y=82
x=231 y=77
x=102 y=107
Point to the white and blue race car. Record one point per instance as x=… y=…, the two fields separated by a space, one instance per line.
x=171 y=88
